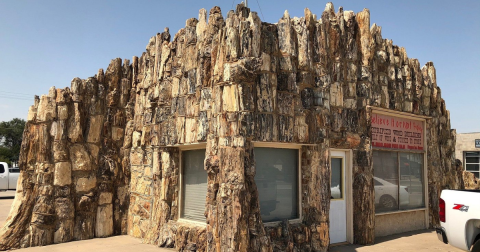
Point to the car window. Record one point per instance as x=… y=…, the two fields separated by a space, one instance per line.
x=2 y=169
x=14 y=170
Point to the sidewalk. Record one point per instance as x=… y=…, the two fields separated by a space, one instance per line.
x=422 y=240
x=122 y=243
x=425 y=240
x=6 y=200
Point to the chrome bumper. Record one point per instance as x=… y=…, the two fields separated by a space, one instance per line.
x=441 y=234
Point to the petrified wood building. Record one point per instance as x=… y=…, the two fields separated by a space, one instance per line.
x=240 y=135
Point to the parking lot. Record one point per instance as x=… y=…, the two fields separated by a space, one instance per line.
x=424 y=240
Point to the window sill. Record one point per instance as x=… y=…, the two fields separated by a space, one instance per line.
x=402 y=211
x=276 y=223
x=191 y=222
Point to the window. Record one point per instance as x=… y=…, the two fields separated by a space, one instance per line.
x=472 y=162
x=398 y=181
x=336 y=185
x=194 y=185
x=277 y=183
x=14 y=170
x=2 y=169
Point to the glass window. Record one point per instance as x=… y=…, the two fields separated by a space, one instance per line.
x=472 y=162
x=472 y=167
x=277 y=183
x=194 y=185
x=2 y=169
x=398 y=179
x=385 y=169
x=411 y=181
x=336 y=185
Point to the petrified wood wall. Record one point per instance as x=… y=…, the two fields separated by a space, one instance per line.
x=471 y=182
x=73 y=185
x=103 y=157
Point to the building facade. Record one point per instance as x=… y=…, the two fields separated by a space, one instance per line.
x=240 y=135
x=467 y=149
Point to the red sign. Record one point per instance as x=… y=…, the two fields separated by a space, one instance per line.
x=396 y=133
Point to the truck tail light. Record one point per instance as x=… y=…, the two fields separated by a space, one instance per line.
x=441 y=212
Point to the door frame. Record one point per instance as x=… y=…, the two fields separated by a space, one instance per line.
x=348 y=189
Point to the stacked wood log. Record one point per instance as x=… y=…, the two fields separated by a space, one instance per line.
x=101 y=157
x=471 y=182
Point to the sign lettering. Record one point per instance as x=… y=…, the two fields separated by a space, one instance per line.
x=477 y=143
x=398 y=133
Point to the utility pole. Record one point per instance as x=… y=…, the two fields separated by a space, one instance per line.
x=246 y=3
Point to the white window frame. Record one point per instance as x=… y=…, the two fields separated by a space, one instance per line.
x=297 y=147
x=182 y=148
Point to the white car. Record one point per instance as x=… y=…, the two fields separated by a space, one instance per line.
x=8 y=177
x=386 y=192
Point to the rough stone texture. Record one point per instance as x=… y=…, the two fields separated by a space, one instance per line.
x=471 y=182
x=63 y=174
x=227 y=83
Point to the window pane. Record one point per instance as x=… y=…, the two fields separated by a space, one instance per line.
x=276 y=179
x=336 y=185
x=472 y=154
x=385 y=170
x=472 y=160
x=411 y=181
x=14 y=170
x=476 y=174
x=472 y=167
x=194 y=185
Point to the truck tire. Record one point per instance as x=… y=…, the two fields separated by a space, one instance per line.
x=476 y=246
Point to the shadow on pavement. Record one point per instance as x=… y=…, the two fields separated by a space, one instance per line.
x=401 y=235
x=10 y=194
x=379 y=240
x=344 y=248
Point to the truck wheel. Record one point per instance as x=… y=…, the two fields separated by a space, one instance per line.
x=476 y=246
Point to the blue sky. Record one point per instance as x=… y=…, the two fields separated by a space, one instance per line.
x=48 y=43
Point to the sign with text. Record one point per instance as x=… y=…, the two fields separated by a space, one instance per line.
x=477 y=143
x=396 y=132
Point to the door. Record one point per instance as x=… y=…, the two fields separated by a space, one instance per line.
x=338 y=202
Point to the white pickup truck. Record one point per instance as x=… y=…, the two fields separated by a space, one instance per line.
x=8 y=177
x=459 y=215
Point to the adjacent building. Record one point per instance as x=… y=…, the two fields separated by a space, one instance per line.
x=467 y=149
